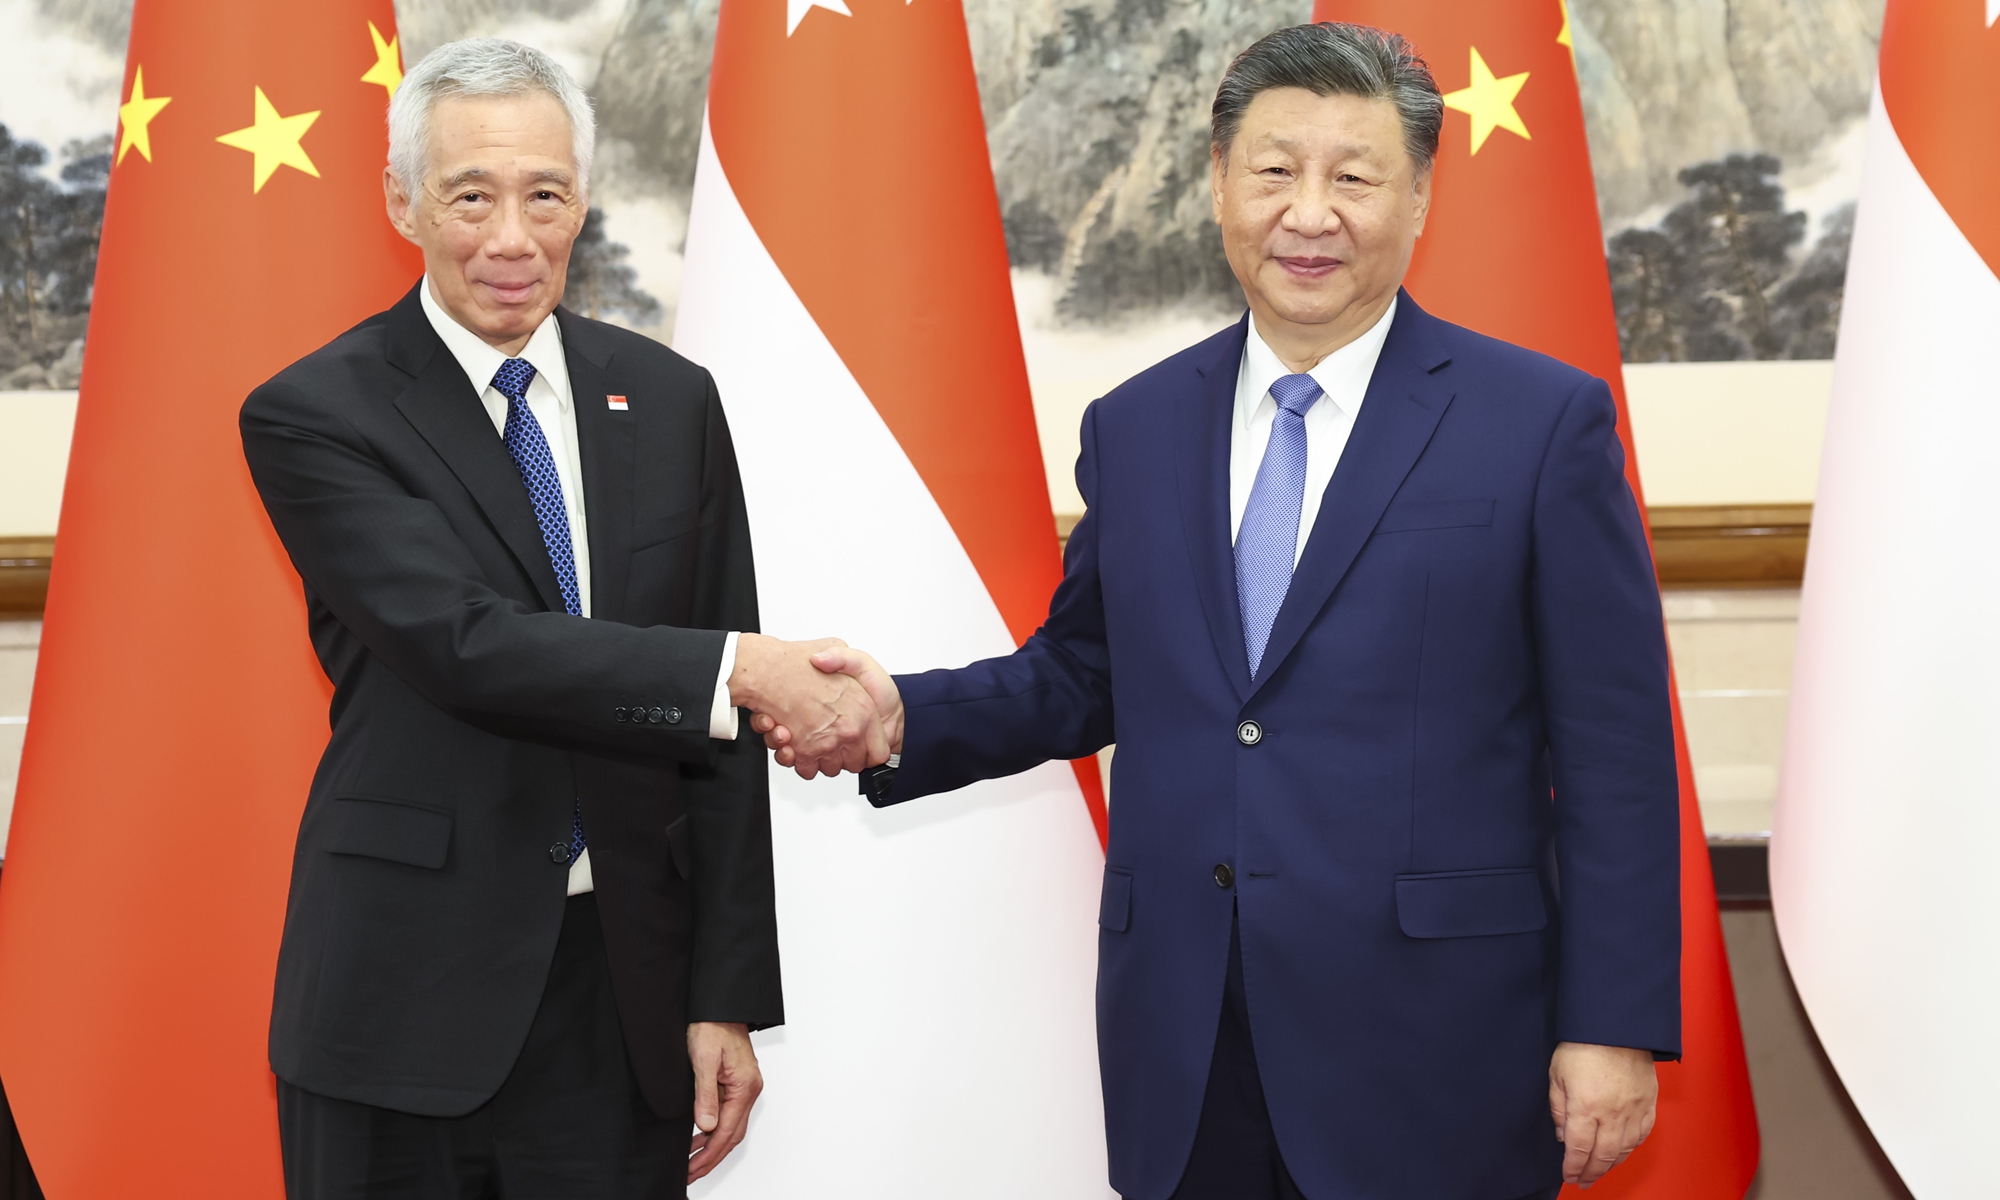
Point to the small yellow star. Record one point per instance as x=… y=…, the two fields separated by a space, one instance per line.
x=1563 y=38
x=136 y=114
x=388 y=68
x=1489 y=102
x=273 y=140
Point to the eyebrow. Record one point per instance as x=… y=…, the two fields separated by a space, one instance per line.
x=478 y=174
x=1345 y=150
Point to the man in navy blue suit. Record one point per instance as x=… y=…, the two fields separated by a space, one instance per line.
x=1391 y=900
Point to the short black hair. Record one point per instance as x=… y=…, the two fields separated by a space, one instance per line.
x=1332 y=58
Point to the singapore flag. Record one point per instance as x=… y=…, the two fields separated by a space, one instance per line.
x=846 y=281
x=1888 y=823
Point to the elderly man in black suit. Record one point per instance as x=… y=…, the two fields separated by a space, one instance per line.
x=531 y=919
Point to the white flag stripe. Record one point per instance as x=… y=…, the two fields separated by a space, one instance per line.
x=939 y=957
x=1888 y=816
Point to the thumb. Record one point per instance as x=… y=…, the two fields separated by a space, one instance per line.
x=706 y=1106
x=841 y=660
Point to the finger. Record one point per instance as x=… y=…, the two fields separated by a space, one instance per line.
x=735 y=1121
x=740 y=1083
x=877 y=742
x=703 y=1159
x=706 y=1104
x=707 y=1158
x=840 y=661
x=1609 y=1150
x=854 y=754
x=1558 y=1107
x=763 y=722
x=1579 y=1140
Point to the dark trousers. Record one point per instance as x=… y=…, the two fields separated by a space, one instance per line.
x=1235 y=1153
x=568 y=1123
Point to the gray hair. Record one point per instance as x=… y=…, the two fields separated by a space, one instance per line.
x=481 y=67
x=1335 y=59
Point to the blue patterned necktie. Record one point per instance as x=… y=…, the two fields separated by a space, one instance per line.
x=530 y=450
x=1268 y=539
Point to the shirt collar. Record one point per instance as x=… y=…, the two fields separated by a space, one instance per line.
x=544 y=350
x=1343 y=375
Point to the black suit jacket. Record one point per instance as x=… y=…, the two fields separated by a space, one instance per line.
x=470 y=712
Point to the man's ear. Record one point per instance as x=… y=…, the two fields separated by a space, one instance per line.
x=1420 y=188
x=397 y=201
x=1218 y=174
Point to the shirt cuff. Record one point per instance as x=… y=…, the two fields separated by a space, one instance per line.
x=722 y=715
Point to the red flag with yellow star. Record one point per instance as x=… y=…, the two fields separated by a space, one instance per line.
x=178 y=711
x=1513 y=248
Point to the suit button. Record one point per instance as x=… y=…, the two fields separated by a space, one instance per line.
x=619 y=713
x=559 y=853
x=1249 y=733
x=673 y=716
x=656 y=716
x=1223 y=875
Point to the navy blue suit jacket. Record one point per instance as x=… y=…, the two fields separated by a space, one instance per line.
x=1455 y=842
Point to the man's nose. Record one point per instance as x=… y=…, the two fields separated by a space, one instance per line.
x=509 y=237
x=1312 y=211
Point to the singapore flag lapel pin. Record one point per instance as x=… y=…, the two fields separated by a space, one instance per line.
x=617 y=403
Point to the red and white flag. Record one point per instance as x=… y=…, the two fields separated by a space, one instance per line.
x=846 y=281
x=1888 y=821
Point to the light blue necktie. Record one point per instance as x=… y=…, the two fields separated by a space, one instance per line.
x=1268 y=539
x=529 y=448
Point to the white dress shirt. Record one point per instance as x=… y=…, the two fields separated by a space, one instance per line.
x=554 y=409
x=1343 y=376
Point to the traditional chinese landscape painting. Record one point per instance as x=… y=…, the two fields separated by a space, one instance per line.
x=1725 y=141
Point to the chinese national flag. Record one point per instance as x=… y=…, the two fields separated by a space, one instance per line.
x=1513 y=249
x=178 y=712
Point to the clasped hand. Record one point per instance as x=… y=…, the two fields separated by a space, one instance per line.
x=823 y=706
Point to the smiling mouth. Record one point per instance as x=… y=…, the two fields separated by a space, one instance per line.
x=511 y=291
x=1308 y=267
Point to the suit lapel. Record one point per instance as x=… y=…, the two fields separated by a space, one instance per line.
x=607 y=449
x=1202 y=465
x=1403 y=406
x=444 y=408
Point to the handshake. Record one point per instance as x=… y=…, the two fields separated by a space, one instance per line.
x=823 y=706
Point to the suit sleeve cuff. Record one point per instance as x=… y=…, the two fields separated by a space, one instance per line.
x=722 y=715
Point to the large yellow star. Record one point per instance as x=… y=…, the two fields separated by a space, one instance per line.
x=1489 y=102
x=136 y=114
x=388 y=68
x=273 y=141
x=1563 y=38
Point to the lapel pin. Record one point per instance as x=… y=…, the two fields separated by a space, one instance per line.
x=617 y=403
